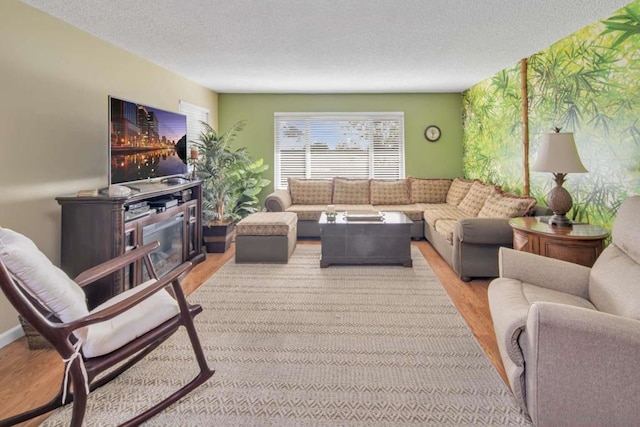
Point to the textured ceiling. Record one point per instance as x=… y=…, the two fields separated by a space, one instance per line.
x=331 y=46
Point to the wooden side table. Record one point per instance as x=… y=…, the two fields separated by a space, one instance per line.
x=580 y=244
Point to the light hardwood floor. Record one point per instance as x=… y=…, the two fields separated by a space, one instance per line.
x=29 y=378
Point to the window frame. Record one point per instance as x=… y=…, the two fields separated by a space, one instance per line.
x=379 y=148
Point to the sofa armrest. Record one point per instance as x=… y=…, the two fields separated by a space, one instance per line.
x=486 y=231
x=278 y=201
x=581 y=366
x=550 y=273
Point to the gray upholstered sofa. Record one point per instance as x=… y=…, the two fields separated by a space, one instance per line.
x=569 y=336
x=466 y=221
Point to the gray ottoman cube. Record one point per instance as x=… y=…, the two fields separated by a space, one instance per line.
x=266 y=237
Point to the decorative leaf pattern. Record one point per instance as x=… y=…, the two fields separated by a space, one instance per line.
x=588 y=84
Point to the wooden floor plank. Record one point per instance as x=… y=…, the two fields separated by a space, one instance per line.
x=29 y=378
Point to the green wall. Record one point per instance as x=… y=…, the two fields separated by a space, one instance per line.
x=587 y=83
x=422 y=159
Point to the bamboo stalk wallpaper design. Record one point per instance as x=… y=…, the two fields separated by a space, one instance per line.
x=587 y=83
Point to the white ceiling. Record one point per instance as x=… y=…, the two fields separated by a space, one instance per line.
x=331 y=46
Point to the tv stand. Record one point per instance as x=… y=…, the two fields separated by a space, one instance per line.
x=95 y=229
x=174 y=180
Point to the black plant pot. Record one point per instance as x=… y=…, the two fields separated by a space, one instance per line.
x=218 y=236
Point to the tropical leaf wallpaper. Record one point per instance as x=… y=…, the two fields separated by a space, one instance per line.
x=587 y=83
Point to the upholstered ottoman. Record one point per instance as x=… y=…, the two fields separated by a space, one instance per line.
x=266 y=237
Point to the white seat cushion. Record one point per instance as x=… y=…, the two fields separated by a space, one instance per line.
x=42 y=280
x=104 y=337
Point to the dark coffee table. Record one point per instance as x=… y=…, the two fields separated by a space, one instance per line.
x=366 y=241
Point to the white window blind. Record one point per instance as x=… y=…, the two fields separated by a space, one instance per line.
x=325 y=145
x=195 y=115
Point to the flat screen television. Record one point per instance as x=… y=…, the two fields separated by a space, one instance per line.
x=146 y=143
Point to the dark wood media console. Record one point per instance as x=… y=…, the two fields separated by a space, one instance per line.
x=98 y=228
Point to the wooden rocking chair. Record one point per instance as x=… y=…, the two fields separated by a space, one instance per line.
x=137 y=321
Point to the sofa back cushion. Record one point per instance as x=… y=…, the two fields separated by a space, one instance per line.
x=351 y=191
x=389 y=191
x=310 y=191
x=505 y=205
x=429 y=190
x=458 y=189
x=613 y=283
x=475 y=198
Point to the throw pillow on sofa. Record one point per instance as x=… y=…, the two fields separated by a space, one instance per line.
x=505 y=205
x=350 y=191
x=458 y=189
x=310 y=191
x=475 y=198
x=389 y=192
x=425 y=190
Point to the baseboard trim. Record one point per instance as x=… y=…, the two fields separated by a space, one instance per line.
x=11 y=335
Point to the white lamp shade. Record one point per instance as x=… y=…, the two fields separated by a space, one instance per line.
x=558 y=154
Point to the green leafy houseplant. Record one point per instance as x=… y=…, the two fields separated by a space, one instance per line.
x=231 y=182
x=245 y=184
x=216 y=160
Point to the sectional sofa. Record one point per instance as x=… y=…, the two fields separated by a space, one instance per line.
x=465 y=221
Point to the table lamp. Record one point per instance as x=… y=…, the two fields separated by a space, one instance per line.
x=557 y=154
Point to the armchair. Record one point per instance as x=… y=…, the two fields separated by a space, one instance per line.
x=109 y=339
x=568 y=335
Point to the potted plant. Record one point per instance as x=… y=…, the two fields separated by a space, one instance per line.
x=245 y=182
x=229 y=184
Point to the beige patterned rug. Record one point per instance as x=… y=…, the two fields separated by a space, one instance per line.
x=296 y=345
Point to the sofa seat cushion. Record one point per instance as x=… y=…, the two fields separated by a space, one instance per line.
x=389 y=192
x=307 y=212
x=345 y=207
x=267 y=224
x=445 y=228
x=434 y=213
x=412 y=211
x=424 y=190
x=475 y=198
x=310 y=191
x=351 y=191
x=515 y=297
x=458 y=189
x=504 y=205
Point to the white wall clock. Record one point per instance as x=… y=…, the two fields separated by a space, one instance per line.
x=432 y=133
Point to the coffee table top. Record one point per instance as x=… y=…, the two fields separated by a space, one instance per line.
x=387 y=218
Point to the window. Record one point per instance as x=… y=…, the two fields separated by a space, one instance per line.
x=195 y=115
x=324 y=145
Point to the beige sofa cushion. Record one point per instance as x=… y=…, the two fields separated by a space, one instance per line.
x=504 y=205
x=458 y=189
x=445 y=227
x=389 y=192
x=429 y=190
x=475 y=198
x=307 y=212
x=310 y=191
x=351 y=191
x=434 y=213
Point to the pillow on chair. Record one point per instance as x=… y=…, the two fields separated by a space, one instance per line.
x=43 y=280
x=107 y=336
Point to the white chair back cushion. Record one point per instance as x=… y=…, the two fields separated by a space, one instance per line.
x=613 y=283
x=626 y=229
x=105 y=337
x=43 y=280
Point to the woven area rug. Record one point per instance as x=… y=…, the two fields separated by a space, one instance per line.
x=296 y=345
